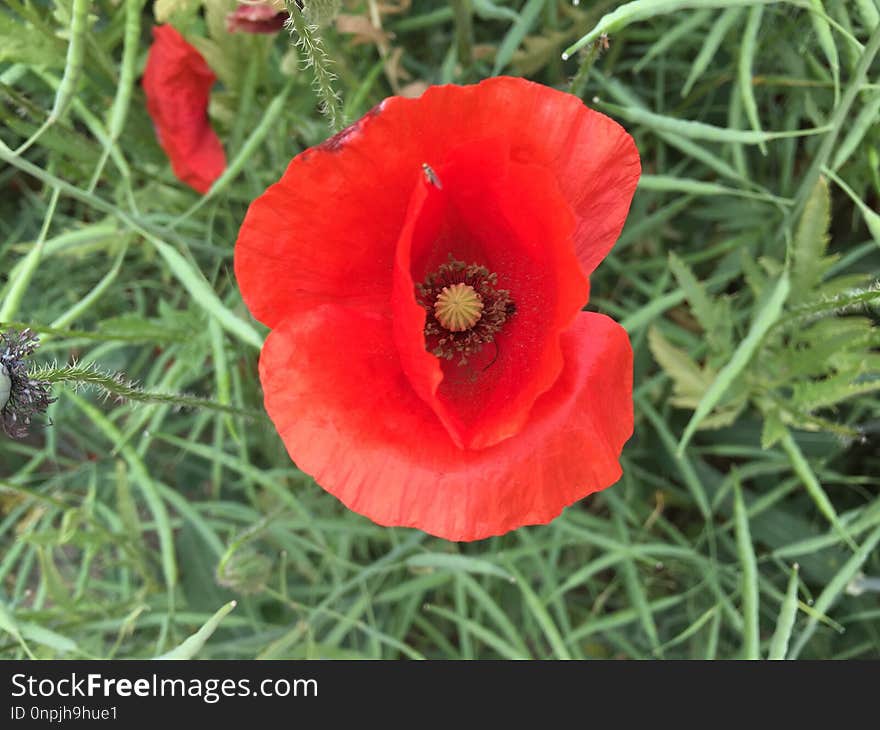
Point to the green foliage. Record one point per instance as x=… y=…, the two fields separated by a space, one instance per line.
x=18 y=46
x=808 y=358
x=747 y=281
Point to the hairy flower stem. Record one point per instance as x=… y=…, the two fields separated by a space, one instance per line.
x=862 y=300
x=315 y=56
x=115 y=385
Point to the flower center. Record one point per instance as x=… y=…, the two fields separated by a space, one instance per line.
x=458 y=307
x=465 y=309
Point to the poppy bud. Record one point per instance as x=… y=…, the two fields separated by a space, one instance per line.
x=256 y=18
x=21 y=396
x=245 y=571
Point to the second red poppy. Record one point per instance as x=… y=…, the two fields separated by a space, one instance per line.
x=177 y=83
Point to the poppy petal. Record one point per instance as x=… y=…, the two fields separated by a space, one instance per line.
x=329 y=227
x=482 y=208
x=594 y=160
x=338 y=396
x=177 y=83
x=325 y=231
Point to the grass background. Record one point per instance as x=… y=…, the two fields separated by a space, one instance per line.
x=127 y=523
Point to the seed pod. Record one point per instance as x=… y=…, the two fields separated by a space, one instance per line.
x=245 y=571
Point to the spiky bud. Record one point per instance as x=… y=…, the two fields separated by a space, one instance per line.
x=21 y=396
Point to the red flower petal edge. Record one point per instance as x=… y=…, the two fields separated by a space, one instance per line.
x=522 y=189
x=255 y=18
x=177 y=83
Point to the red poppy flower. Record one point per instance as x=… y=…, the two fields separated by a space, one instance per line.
x=423 y=273
x=177 y=83
x=255 y=18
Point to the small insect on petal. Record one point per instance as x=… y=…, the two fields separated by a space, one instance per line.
x=431 y=176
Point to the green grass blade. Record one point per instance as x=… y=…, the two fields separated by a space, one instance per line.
x=514 y=37
x=638 y=10
x=192 y=645
x=785 y=622
x=749 y=567
x=712 y=42
x=702 y=131
x=746 y=59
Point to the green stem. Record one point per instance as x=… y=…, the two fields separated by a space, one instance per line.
x=115 y=385
x=464 y=32
x=579 y=82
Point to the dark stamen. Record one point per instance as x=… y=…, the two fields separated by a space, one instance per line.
x=497 y=308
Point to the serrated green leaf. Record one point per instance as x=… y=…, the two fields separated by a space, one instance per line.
x=765 y=319
x=51 y=576
x=773 y=429
x=22 y=44
x=713 y=315
x=831 y=391
x=690 y=381
x=813 y=351
x=811 y=242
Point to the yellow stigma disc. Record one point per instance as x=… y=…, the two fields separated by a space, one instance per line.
x=458 y=307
